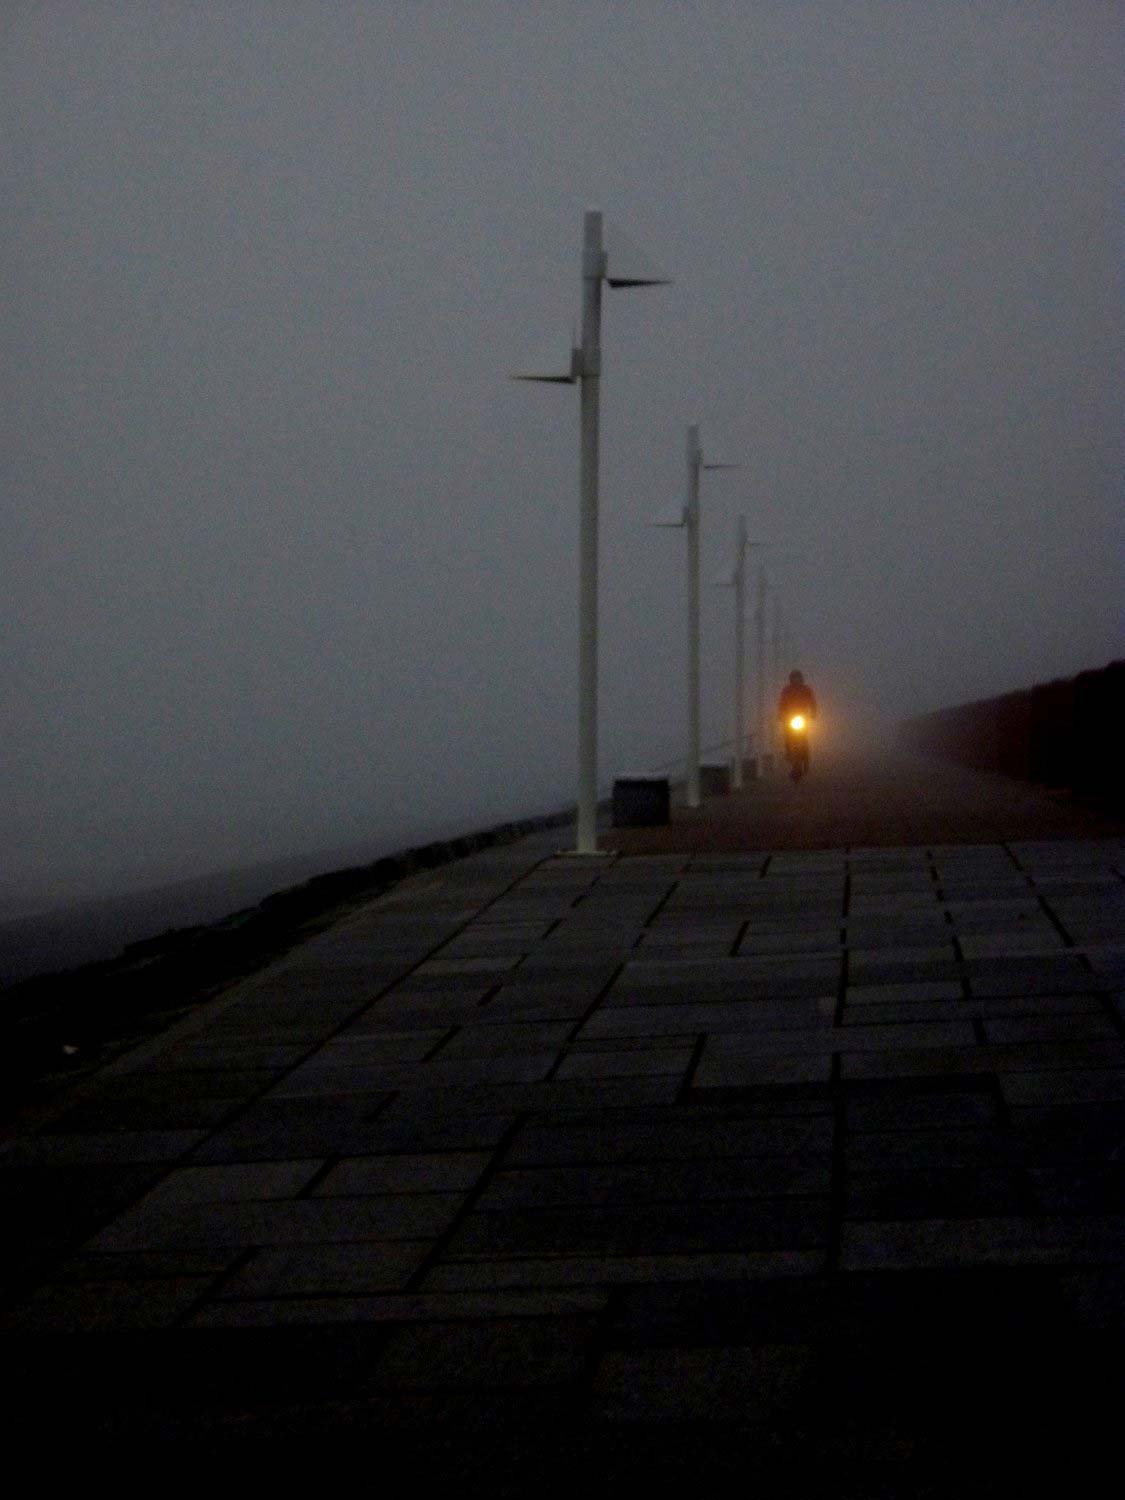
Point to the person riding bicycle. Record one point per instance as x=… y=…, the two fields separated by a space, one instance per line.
x=796 y=698
x=796 y=709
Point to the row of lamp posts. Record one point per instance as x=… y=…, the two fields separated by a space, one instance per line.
x=618 y=266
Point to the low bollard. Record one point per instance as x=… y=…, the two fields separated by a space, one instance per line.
x=641 y=801
x=714 y=778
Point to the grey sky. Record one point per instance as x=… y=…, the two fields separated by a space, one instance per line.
x=290 y=562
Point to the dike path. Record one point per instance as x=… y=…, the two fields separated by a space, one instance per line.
x=783 y=1147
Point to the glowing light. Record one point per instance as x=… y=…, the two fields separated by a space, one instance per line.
x=797 y=722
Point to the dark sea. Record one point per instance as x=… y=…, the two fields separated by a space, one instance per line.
x=61 y=938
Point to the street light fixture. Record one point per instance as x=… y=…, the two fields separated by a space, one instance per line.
x=619 y=265
x=688 y=518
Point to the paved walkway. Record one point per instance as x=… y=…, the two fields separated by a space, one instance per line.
x=881 y=799
x=801 y=1167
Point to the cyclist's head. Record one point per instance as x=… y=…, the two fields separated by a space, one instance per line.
x=796 y=679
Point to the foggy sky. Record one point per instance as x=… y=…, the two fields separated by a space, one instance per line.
x=289 y=562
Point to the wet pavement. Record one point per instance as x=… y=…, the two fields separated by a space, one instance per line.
x=680 y=1165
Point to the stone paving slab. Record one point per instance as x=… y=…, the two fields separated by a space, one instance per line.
x=738 y=1145
x=426 y=1308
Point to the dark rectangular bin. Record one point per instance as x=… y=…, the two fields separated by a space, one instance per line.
x=714 y=778
x=641 y=801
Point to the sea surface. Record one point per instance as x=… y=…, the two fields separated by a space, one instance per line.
x=80 y=932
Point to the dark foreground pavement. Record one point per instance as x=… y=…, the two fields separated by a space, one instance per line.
x=797 y=1169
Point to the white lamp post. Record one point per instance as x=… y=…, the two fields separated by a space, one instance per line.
x=620 y=267
x=736 y=579
x=688 y=518
x=777 y=657
x=764 y=739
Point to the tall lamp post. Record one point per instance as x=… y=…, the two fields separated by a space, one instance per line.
x=777 y=635
x=688 y=518
x=764 y=739
x=736 y=579
x=618 y=268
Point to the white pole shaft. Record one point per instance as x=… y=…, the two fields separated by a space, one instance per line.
x=777 y=644
x=760 y=633
x=739 y=655
x=777 y=658
x=593 y=268
x=694 y=457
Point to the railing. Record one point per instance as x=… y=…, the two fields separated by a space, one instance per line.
x=677 y=763
x=1064 y=733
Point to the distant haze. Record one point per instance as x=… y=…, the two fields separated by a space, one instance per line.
x=290 y=563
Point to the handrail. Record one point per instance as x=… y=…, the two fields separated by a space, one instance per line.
x=667 y=765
